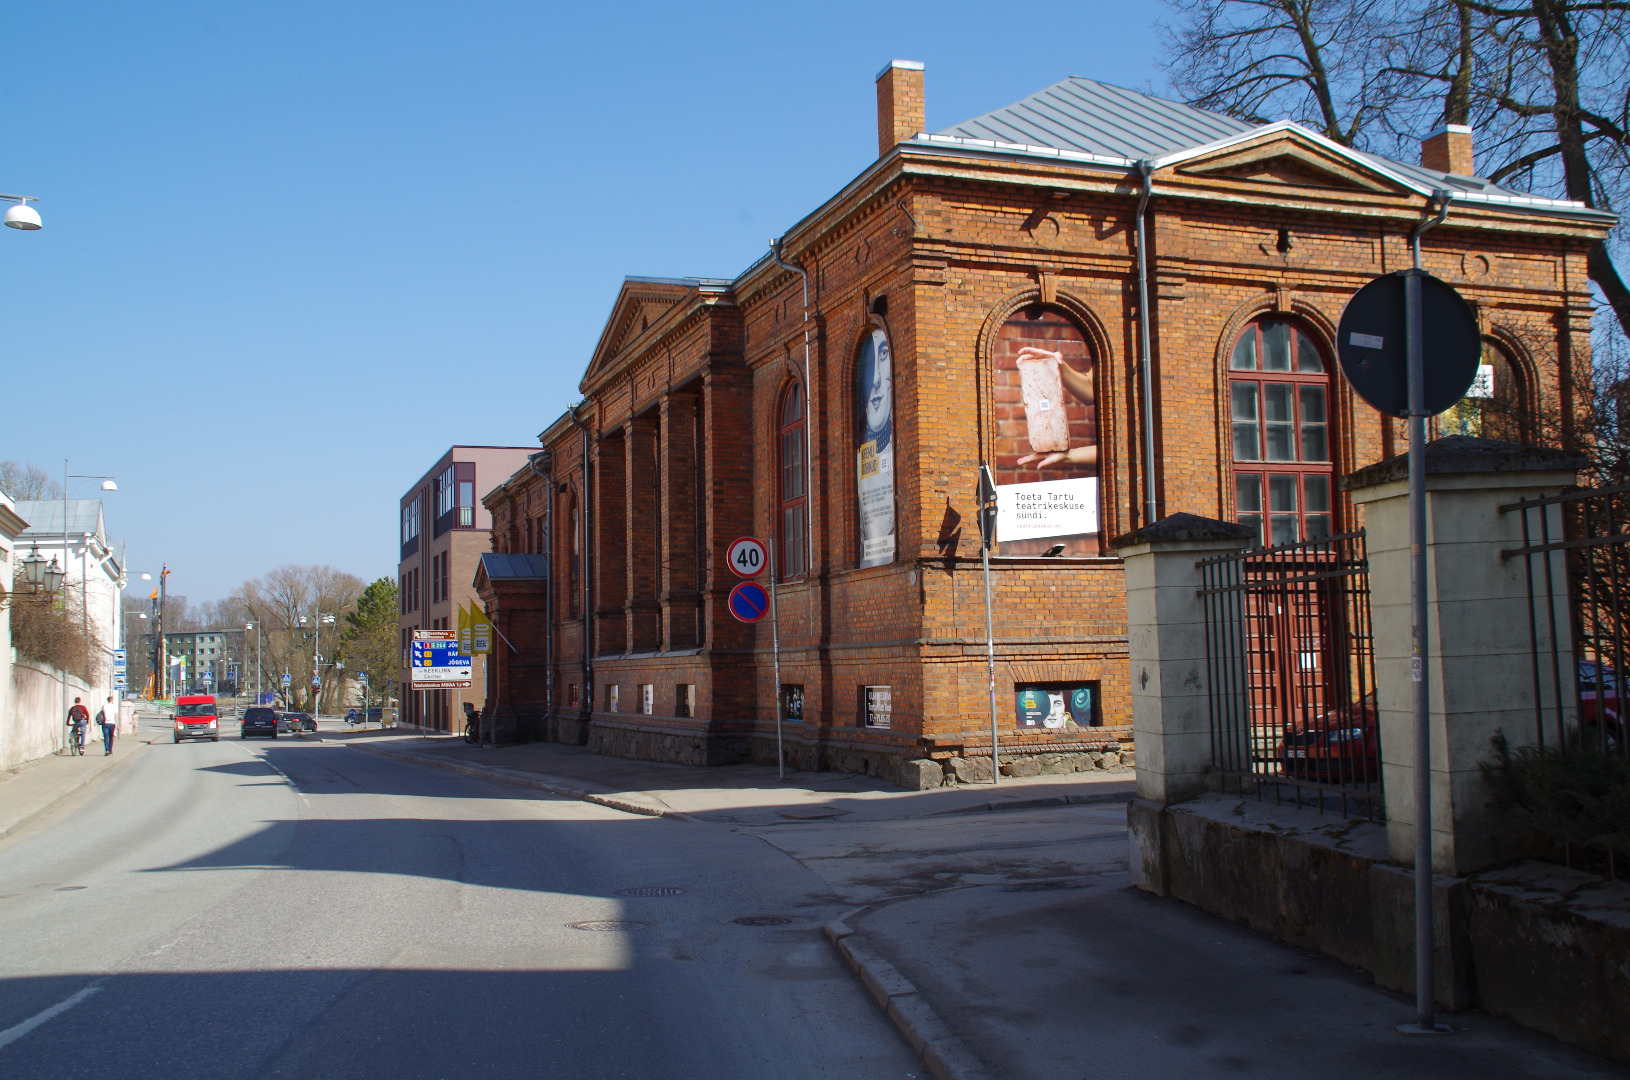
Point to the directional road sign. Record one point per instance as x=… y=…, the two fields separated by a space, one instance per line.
x=749 y=602
x=746 y=557
x=436 y=661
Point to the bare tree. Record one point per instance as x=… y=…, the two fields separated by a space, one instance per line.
x=1543 y=82
x=288 y=603
x=1265 y=60
x=26 y=482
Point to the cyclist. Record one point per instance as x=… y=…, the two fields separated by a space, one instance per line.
x=78 y=717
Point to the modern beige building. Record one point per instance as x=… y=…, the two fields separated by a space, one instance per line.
x=444 y=530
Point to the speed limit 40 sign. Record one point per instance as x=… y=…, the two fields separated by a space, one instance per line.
x=747 y=557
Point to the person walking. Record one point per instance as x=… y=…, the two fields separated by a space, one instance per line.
x=107 y=718
x=78 y=717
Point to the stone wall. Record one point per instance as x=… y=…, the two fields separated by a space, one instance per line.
x=1541 y=945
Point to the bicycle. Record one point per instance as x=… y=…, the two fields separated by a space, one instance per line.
x=76 y=739
x=472 y=731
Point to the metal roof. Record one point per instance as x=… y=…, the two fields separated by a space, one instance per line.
x=515 y=567
x=44 y=517
x=1090 y=117
x=1097 y=123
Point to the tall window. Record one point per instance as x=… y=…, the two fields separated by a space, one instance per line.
x=1497 y=404
x=410 y=520
x=794 y=561
x=446 y=577
x=575 y=532
x=1279 y=396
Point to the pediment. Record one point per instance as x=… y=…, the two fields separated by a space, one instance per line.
x=640 y=305
x=1290 y=162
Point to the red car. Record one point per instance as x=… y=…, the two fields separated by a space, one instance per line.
x=195 y=718
x=1342 y=747
x=1599 y=703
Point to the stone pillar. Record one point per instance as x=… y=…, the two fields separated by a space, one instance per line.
x=1166 y=643
x=1478 y=653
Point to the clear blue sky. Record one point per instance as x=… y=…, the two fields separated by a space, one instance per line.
x=293 y=251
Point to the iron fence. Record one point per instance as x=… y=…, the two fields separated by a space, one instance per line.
x=1290 y=661
x=1576 y=567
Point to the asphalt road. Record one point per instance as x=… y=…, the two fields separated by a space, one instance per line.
x=300 y=909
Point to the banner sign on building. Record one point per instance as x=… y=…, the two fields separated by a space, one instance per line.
x=436 y=661
x=1046 y=509
x=1045 y=435
x=874 y=452
x=480 y=632
x=466 y=620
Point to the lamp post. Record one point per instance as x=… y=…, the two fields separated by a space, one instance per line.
x=107 y=481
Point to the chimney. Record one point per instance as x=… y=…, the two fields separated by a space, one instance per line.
x=900 y=112
x=1449 y=149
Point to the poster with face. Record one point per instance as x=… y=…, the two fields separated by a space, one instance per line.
x=874 y=453
x=1056 y=707
x=1046 y=436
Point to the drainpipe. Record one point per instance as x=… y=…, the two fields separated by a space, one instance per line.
x=1146 y=170
x=809 y=424
x=549 y=582
x=588 y=556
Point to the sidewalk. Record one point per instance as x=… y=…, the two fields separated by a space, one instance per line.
x=1012 y=944
x=33 y=789
x=732 y=794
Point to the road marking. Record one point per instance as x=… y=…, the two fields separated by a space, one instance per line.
x=12 y=1034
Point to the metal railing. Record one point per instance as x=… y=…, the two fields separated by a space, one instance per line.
x=1290 y=661
x=1576 y=568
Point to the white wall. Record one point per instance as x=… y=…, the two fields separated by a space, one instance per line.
x=33 y=727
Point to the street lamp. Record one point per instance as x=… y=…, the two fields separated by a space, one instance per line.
x=24 y=213
x=22 y=216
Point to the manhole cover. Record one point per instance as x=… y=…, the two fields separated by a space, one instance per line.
x=761 y=920
x=607 y=925
x=652 y=890
x=69 y=888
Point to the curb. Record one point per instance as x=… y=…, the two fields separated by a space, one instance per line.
x=532 y=780
x=1041 y=803
x=945 y=1055
x=15 y=825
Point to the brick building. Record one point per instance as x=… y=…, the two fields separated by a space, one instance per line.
x=1124 y=306
x=443 y=531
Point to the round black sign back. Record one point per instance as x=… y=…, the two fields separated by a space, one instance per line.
x=1370 y=344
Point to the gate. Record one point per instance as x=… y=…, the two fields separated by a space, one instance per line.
x=1291 y=665
x=1581 y=550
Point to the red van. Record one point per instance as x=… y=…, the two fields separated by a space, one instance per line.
x=195 y=718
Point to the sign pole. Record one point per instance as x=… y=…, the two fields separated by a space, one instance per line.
x=1425 y=962
x=775 y=647
x=987 y=535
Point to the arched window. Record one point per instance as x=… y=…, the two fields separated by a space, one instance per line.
x=1497 y=405
x=1279 y=399
x=794 y=553
x=575 y=544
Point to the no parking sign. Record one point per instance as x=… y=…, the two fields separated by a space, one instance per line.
x=749 y=602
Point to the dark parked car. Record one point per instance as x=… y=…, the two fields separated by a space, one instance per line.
x=258 y=720
x=299 y=721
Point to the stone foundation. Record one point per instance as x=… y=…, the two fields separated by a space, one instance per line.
x=1546 y=947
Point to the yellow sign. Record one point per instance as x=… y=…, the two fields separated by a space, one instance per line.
x=480 y=632
x=466 y=621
